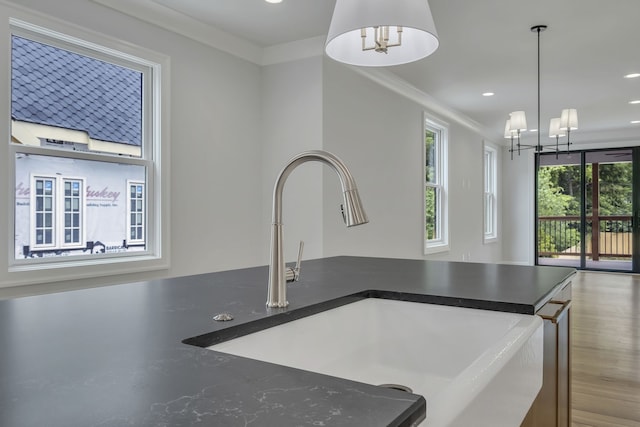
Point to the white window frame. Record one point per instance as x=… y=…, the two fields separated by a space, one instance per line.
x=34 y=212
x=130 y=241
x=490 y=199
x=82 y=241
x=154 y=67
x=58 y=213
x=441 y=241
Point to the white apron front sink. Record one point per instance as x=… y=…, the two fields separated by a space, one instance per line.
x=473 y=367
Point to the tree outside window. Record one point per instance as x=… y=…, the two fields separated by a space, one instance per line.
x=435 y=166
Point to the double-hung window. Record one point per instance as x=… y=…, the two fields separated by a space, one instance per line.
x=85 y=154
x=43 y=213
x=136 y=213
x=436 y=237
x=57 y=216
x=490 y=194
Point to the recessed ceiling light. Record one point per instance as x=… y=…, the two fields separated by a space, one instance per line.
x=632 y=76
x=273 y=1
x=635 y=122
x=533 y=130
x=635 y=101
x=488 y=94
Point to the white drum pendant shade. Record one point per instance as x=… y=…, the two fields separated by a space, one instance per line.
x=344 y=41
x=569 y=119
x=554 y=128
x=518 y=121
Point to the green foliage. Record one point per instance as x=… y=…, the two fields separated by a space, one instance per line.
x=430 y=204
x=545 y=242
x=559 y=194
x=615 y=188
x=567 y=180
x=552 y=201
x=430 y=194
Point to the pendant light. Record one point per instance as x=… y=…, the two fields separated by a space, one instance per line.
x=567 y=121
x=556 y=132
x=510 y=134
x=517 y=124
x=378 y=33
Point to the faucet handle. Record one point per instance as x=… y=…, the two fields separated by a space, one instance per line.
x=293 y=274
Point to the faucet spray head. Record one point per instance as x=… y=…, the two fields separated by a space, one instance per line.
x=352 y=211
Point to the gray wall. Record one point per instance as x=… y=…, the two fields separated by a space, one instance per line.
x=379 y=134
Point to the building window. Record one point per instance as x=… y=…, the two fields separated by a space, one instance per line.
x=435 y=186
x=490 y=194
x=136 y=213
x=58 y=213
x=85 y=143
x=73 y=211
x=44 y=201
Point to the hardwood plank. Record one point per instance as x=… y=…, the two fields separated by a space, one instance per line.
x=605 y=346
x=591 y=419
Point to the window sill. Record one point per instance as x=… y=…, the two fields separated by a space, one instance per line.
x=30 y=274
x=436 y=249
x=490 y=240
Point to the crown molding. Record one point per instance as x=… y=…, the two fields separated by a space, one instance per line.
x=299 y=49
x=164 y=17
x=393 y=82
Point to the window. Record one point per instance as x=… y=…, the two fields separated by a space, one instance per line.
x=136 y=213
x=73 y=211
x=490 y=194
x=85 y=149
x=58 y=213
x=43 y=200
x=435 y=187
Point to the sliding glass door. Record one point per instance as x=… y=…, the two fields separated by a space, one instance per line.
x=585 y=209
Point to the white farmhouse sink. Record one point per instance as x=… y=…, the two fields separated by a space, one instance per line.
x=473 y=367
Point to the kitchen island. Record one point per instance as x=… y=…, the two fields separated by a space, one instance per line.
x=114 y=356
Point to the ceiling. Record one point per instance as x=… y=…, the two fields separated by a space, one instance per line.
x=487 y=46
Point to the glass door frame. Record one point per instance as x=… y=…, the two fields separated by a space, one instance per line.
x=635 y=209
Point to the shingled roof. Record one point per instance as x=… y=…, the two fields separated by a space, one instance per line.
x=52 y=86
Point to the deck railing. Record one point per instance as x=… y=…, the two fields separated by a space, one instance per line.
x=606 y=236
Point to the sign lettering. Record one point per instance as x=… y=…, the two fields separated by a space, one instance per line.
x=104 y=194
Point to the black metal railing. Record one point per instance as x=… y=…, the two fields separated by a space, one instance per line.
x=606 y=236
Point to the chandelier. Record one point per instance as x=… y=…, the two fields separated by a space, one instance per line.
x=559 y=127
x=378 y=33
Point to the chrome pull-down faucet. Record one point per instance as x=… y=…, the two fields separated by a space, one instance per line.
x=352 y=209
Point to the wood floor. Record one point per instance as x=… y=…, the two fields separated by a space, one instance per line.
x=605 y=344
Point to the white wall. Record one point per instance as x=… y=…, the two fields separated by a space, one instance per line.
x=216 y=167
x=378 y=133
x=233 y=126
x=292 y=123
x=518 y=188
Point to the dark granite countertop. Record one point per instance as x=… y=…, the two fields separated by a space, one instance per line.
x=114 y=356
